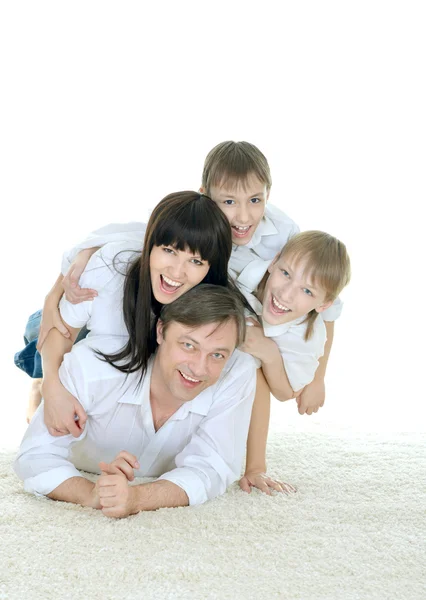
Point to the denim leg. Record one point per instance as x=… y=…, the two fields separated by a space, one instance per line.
x=29 y=359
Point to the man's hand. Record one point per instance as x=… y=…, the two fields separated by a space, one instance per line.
x=73 y=292
x=312 y=397
x=116 y=497
x=262 y=482
x=255 y=342
x=63 y=413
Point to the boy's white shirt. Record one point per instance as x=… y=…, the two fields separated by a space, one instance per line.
x=300 y=356
x=271 y=235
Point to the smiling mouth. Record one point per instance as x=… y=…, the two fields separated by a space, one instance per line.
x=278 y=308
x=188 y=381
x=169 y=286
x=241 y=231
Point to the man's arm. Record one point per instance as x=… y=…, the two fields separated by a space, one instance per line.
x=77 y=490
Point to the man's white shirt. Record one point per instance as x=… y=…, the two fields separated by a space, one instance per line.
x=200 y=448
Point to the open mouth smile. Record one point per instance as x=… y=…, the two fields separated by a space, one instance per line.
x=240 y=231
x=188 y=381
x=278 y=308
x=169 y=286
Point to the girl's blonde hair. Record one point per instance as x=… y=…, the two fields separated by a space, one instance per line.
x=326 y=263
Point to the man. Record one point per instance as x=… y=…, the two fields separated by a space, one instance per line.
x=185 y=423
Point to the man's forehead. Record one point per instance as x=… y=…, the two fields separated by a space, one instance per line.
x=209 y=334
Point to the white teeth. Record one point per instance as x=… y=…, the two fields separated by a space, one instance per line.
x=189 y=378
x=280 y=306
x=171 y=282
x=246 y=228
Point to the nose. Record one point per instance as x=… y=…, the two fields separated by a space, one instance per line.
x=243 y=216
x=287 y=292
x=199 y=366
x=177 y=269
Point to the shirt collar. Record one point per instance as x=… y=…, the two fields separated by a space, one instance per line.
x=200 y=404
x=276 y=330
x=265 y=227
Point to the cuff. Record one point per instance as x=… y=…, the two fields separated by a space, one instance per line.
x=43 y=484
x=190 y=483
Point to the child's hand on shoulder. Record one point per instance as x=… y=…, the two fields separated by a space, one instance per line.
x=256 y=343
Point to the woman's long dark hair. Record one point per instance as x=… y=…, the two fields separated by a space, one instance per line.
x=185 y=221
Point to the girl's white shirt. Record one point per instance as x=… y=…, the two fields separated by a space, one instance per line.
x=300 y=356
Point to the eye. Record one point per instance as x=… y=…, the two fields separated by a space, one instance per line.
x=229 y=202
x=218 y=355
x=285 y=273
x=308 y=292
x=197 y=262
x=187 y=346
x=255 y=200
x=168 y=250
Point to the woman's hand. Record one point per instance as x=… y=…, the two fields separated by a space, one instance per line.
x=265 y=484
x=63 y=413
x=50 y=319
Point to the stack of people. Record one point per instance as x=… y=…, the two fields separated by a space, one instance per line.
x=160 y=344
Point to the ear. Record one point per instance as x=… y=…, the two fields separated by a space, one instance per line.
x=324 y=306
x=272 y=264
x=202 y=190
x=160 y=336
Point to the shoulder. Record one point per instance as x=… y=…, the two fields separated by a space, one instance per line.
x=109 y=262
x=281 y=221
x=84 y=359
x=239 y=367
x=294 y=338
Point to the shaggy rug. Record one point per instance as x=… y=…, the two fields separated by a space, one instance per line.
x=354 y=530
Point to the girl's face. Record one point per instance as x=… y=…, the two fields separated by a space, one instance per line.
x=289 y=292
x=174 y=272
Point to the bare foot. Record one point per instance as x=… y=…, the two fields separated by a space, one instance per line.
x=34 y=399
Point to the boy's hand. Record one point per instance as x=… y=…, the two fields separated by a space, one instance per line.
x=60 y=409
x=255 y=342
x=262 y=482
x=73 y=292
x=312 y=397
x=116 y=497
x=50 y=319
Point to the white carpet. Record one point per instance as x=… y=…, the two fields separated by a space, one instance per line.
x=355 y=530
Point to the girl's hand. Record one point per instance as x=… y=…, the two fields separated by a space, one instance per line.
x=50 y=319
x=73 y=292
x=63 y=413
x=262 y=482
x=256 y=343
x=311 y=397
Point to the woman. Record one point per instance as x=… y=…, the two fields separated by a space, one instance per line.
x=187 y=241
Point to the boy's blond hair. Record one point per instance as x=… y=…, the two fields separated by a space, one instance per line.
x=327 y=265
x=232 y=163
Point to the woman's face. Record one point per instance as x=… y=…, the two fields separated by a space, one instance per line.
x=174 y=272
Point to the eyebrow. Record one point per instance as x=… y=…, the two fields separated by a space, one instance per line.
x=255 y=195
x=307 y=283
x=188 y=338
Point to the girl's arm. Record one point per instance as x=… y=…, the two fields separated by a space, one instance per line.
x=267 y=351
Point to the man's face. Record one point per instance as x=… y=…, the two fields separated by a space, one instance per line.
x=189 y=360
x=243 y=206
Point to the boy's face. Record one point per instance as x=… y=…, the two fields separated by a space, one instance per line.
x=290 y=293
x=243 y=206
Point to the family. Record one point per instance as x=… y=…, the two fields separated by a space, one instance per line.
x=160 y=357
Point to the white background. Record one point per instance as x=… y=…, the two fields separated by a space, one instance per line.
x=107 y=107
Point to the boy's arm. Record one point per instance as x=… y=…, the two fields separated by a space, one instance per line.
x=313 y=395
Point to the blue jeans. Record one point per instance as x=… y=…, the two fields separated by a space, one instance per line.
x=29 y=359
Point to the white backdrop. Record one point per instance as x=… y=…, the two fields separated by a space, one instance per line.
x=106 y=107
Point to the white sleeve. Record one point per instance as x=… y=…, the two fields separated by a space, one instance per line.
x=212 y=459
x=102 y=267
x=129 y=233
x=300 y=357
x=43 y=460
x=333 y=312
